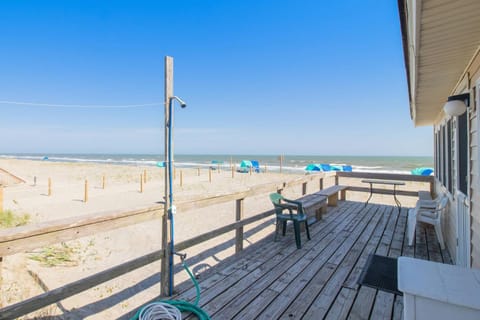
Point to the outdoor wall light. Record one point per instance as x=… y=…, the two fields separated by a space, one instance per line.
x=457 y=105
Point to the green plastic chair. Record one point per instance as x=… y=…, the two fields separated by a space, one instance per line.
x=285 y=210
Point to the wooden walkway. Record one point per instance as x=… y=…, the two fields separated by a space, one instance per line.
x=274 y=280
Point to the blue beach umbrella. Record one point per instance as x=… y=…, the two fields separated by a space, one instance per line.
x=422 y=171
x=313 y=167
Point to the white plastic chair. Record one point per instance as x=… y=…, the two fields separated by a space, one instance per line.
x=427 y=211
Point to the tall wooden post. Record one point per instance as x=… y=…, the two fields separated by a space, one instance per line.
x=210 y=175
x=281 y=162
x=141 y=183
x=103 y=182
x=49 y=187
x=145 y=176
x=85 y=195
x=1 y=278
x=166 y=236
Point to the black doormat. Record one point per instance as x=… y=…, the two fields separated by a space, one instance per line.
x=380 y=273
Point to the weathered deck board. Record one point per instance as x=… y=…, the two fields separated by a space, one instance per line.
x=272 y=280
x=339 y=266
x=293 y=281
x=280 y=275
x=232 y=290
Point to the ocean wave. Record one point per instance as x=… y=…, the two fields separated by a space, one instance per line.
x=384 y=171
x=290 y=165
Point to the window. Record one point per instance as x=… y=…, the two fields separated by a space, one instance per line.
x=449 y=157
x=463 y=153
x=435 y=154
x=442 y=155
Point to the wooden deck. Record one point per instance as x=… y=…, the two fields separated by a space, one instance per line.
x=274 y=280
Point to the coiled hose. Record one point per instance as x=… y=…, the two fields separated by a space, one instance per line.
x=162 y=309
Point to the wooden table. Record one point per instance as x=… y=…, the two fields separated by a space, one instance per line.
x=388 y=182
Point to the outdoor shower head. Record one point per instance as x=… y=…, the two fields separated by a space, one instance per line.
x=182 y=103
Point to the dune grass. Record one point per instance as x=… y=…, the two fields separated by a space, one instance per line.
x=57 y=255
x=64 y=254
x=8 y=219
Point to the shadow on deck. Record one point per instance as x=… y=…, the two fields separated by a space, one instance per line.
x=271 y=280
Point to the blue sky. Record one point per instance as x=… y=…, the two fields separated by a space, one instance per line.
x=259 y=77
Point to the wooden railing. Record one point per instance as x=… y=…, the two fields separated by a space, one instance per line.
x=31 y=237
x=7 y=178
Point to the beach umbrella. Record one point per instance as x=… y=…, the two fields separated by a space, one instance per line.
x=313 y=167
x=422 y=171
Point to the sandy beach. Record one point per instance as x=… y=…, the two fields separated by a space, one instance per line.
x=118 y=188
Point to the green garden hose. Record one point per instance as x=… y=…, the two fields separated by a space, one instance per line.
x=146 y=313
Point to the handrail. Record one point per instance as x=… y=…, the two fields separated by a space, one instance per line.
x=387 y=176
x=11 y=175
x=24 y=238
x=68 y=290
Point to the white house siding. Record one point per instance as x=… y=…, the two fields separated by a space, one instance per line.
x=474 y=192
x=474 y=75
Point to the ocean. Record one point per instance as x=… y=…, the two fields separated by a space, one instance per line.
x=290 y=163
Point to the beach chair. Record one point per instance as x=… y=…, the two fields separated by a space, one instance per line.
x=430 y=212
x=286 y=210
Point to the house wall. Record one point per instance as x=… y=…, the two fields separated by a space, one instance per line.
x=474 y=176
x=469 y=82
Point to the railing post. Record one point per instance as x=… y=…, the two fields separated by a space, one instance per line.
x=321 y=183
x=1 y=279
x=239 y=230
x=336 y=179
x=432 y=187
x=1 y=198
